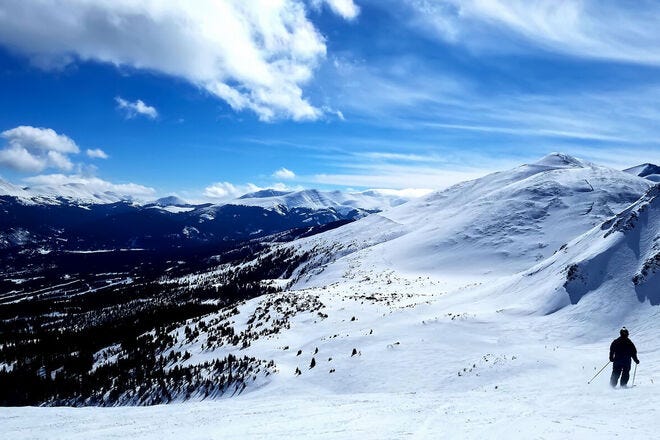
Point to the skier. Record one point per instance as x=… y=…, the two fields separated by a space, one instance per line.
x=621 y=351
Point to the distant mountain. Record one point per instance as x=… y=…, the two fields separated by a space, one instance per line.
x=263 y=194
x=646 y=170
x=169 y=201
x=368 y=201
x=68 y=193
x=73 y=226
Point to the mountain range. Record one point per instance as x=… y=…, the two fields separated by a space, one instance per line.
x=504 y=289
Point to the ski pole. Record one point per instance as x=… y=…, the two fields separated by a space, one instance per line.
x=601 y=370
x=634 y=374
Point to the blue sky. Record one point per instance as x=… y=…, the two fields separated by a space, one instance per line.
x=213 y=98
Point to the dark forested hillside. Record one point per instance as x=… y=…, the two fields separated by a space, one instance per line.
x=64 y=310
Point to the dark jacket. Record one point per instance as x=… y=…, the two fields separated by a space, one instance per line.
x=622 y=350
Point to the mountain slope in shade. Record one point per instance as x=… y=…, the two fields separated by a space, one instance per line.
x=609 y=270
x=647 y=170
x=169 y=201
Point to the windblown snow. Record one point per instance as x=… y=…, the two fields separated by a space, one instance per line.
x=480 y=311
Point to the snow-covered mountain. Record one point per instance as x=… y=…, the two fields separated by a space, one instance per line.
x=73 y=215
x=70 y=193
x=371 y=200
x=9 y=189
x=502 y=223
x=647 y=170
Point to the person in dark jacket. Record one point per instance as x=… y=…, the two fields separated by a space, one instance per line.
x=622 y=351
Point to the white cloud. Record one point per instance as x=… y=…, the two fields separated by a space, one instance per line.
x=33 y=149
x=222 y=190
x=20 y=159
x=136 y=108
x=87 y=187
x=284 y=173
x=45 y=139
x=255 y=55
x=97 y=153
x=346 y=8
x=588 y=28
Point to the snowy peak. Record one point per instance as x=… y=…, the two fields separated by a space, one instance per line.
x=561 y=160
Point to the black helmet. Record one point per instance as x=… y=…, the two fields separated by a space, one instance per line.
x=623 y=332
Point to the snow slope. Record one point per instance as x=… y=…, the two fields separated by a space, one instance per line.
x=460 y=315
x=445 y=368
x=499 y=224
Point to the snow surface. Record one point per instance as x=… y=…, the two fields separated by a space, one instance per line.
x=481 y=311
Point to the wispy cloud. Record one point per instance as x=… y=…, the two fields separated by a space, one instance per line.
x=415 y=97
x=284 y=173
x=612 y=30
x=136 y=108
x=97 y=153
x=399 y=171
x=345 y=8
